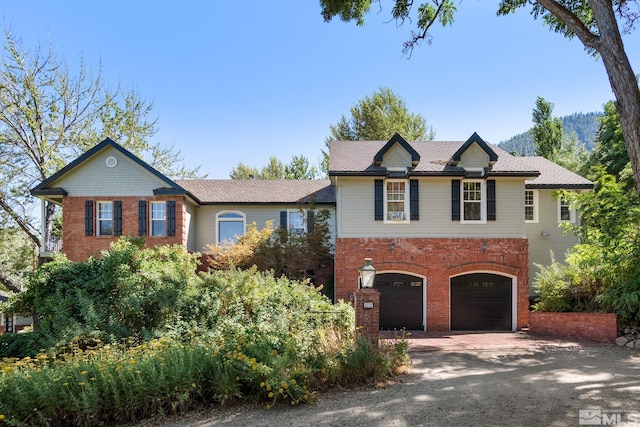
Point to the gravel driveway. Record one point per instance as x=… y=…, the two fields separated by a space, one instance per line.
x=545 y=383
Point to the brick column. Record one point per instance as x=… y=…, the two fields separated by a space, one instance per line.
x=367 y=305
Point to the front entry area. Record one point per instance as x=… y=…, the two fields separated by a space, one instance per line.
x=481 y=302
x=401 y=301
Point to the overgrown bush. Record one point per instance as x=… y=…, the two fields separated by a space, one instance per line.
x=220 y=337
x=20 y=345
x=602 y=272
x=278 y=250
x=129 y=291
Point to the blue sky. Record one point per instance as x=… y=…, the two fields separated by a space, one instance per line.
x=245 y=80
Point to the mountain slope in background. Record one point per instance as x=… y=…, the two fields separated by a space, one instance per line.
x=585 y=125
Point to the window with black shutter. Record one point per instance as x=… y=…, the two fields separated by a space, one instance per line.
x=88 y=218
x=455 y=200
x=491 y=200
x=414 y=206
x=142 y=217
x=171 y=217
x=117 y=218
x=378 y=194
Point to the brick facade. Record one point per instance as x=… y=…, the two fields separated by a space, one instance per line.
x=437 y=260
x=79 y=247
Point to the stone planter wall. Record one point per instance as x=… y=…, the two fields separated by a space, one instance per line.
x=602 y=327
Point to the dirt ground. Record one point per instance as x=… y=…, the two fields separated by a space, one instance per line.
x=542 y=383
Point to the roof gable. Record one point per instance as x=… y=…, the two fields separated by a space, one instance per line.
x=45 y=188
x=396 y=139
x=479 y=142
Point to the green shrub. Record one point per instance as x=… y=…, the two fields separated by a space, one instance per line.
x=221 y=337
x=129 y=292
x=20 y=345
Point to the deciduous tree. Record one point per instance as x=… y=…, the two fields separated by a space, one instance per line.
x=49 y=115
x=598 y=24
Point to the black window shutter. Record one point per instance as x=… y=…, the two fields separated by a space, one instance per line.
x=283 y=219
x=142 y=217
x=378 y=194
x=491 y=200
x=117 y=218
x=455 y=200
x=310 y=221
x=88 y=218
x=414 y=209
x=171 y=218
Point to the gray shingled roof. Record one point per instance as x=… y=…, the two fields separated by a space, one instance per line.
x=232 y=191
x=554 y=176
x=356 y=158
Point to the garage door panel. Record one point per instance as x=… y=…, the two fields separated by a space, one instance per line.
x=481 y=301
x=401 y=301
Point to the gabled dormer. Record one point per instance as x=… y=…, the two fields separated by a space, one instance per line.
x=397 y=156
x=474 y=156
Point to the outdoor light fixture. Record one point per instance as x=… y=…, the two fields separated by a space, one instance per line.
x=484 y=247
x=545 y=233
x=367 y=274
x=393 y=247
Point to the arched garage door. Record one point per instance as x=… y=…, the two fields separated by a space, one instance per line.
x=481 y=302
x=401 y=301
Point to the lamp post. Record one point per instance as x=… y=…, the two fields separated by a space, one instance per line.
x=367 y=274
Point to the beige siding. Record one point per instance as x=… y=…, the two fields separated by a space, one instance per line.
x=541 y=247
x=474 y=157
x=95 y=178
x=396 y=157
x=205 y=226
x=355 y=204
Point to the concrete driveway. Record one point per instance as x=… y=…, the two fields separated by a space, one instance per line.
x=512 y=379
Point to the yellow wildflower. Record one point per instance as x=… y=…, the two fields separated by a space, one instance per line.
x=270 y=395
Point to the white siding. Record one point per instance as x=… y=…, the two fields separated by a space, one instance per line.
x=205 y=226
x=541 y=247
x=95 y=178
x=355 y=204
x=190 y=221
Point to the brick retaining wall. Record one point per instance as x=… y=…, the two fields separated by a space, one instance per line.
x=602 y=327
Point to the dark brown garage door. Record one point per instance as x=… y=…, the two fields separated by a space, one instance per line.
x=401 y=304
x=481 y=302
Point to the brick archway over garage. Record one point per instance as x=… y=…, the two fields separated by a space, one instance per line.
x=437 y=260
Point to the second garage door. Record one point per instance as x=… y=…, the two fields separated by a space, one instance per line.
x=401 y=301
x=481 y=302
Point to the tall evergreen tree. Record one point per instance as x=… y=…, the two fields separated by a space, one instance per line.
x=546 y=130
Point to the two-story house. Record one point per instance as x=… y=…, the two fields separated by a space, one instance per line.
x=449 y=225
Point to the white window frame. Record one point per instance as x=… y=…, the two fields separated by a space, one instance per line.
x=162 y=219
x=398 y=217
x=220 y=217
x=100 y=219
x=483 y=202
x=535 y=206
x=303 y=216
x=572 y=211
